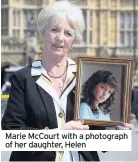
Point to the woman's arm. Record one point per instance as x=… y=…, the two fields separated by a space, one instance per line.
x=15 y=113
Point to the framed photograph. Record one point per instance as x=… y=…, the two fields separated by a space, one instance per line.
x=103 y=90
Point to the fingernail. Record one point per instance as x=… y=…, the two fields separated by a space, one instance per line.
x=82 y=121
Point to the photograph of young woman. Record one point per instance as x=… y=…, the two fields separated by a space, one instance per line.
x=98 y=94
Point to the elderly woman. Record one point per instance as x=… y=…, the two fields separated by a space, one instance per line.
x=41 y=95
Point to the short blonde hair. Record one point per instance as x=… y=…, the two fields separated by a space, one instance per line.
x=62 y=9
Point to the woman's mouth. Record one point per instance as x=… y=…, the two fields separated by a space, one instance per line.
x=101 y=98
x=57 y=46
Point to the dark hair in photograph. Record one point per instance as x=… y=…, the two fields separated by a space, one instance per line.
x=100 y=76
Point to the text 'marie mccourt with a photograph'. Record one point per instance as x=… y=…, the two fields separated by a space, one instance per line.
x=42 y=94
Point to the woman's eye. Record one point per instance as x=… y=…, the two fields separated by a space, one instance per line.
x=68 y=34
x=102 y=87
x=110 y=92
x=54 y=30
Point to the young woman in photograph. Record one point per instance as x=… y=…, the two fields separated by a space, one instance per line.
x=98 y=95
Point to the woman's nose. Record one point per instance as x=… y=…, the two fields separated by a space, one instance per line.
x=104 y=93
x=60 y=36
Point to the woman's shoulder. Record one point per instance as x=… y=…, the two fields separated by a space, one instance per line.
x=22 y=73
x=84 y=105
x=85 y=111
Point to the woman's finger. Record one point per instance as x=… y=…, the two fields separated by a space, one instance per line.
x=79 y=126
x=119 y=127
x=132 y=116
x=75 y=125
x=83 y=127
x=81 y=121
x=127 y=125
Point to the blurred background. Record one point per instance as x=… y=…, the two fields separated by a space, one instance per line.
x=111 y=31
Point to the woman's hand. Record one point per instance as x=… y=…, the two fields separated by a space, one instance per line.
x=126 y=126
x=75 y=125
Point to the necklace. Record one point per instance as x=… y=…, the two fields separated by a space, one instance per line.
x=58 y=84
x=60 y=75
x=58 y=87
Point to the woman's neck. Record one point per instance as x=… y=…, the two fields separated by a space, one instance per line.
x=95 y=104
x=54 y=66
x=56 y=70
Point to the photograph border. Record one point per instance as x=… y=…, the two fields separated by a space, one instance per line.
x=127 y=89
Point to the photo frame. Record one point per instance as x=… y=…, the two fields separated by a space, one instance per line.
x=103 y=90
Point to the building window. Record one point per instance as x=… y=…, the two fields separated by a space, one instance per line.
x=126 y=26
x=88 y=15
x=28 y=14
x=90 y=26
x=25 y=34
x=113 y=3
x=128 y=39
x=4 y=32
x=4 y=18
x=16 y=17
x=15 y=34
x=125 y=3
x=136 y=28
x=136 y=20
x=90 y=19
x=122 y=38
x=90 y=37
x=84 y=39
x=97 y=13
x=122 y=20
x=128 y=20
x=4 y=2
x=97 y=3
x=85 y=16
x=29 y=2
x=25 y=19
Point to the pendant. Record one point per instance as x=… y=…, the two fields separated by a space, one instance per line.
x=60 y=115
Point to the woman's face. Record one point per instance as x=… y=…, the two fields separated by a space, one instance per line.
x=102 y=92
x=58 y=39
